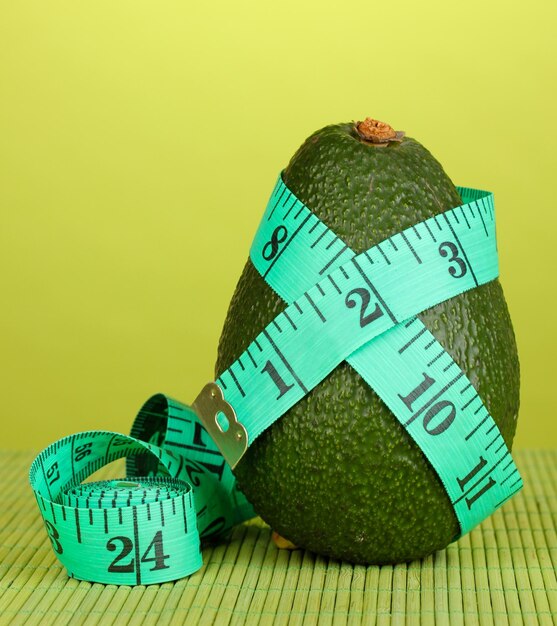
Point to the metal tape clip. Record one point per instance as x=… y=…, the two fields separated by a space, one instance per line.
x=219 y=419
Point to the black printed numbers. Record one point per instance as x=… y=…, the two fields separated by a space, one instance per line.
x=53 y=473
x=470 y=477
x=159 y=556
x=364 y=295
x=54 y=535
x=198 y=443
x=447 y=248
x=154 y=554
x=271 y=248
x=277 y=379
x=82 y=451
x=127 y=547
x=437 y=419
x=439 y=409
x=432 y=422
x=426 y=383
x=463 y=481
x=198 y=432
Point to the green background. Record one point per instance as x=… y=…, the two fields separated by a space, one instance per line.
x=139 y=142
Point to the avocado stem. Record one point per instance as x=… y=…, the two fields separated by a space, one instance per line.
x=376 y=132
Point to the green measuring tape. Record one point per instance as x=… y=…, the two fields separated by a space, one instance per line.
x=341 y=306
x=145 y=529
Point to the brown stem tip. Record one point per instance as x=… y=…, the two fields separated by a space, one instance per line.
x=377 y=132
x=282 y=543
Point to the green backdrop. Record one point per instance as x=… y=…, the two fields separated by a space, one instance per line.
x=140 y=142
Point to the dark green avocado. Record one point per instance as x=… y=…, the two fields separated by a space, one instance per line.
x=337 y=474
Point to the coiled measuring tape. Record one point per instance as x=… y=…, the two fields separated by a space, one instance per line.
x=341 y=306
x=147 y=528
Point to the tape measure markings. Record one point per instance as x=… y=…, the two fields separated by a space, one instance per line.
x=390 y=278
x=451 y=454
x=461 y=246
x=156 y=526
x=472 y=193
x=372 y=287
x=80 y=518
x=219 y=504
x=468 y=255
x=277 y=241
x=340 y=246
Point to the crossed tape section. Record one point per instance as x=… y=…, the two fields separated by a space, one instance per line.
x=391 y=349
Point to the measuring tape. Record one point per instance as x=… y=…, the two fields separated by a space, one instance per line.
x=362 y=308
x=145 y=529
x=341 y=306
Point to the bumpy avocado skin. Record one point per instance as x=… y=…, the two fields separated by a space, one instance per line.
x=337 y=474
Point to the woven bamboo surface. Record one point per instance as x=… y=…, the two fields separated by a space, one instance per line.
x=503 y=572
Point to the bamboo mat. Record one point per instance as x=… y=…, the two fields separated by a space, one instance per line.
x=503 y=572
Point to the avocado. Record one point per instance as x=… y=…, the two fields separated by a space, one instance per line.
x=337 y=474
